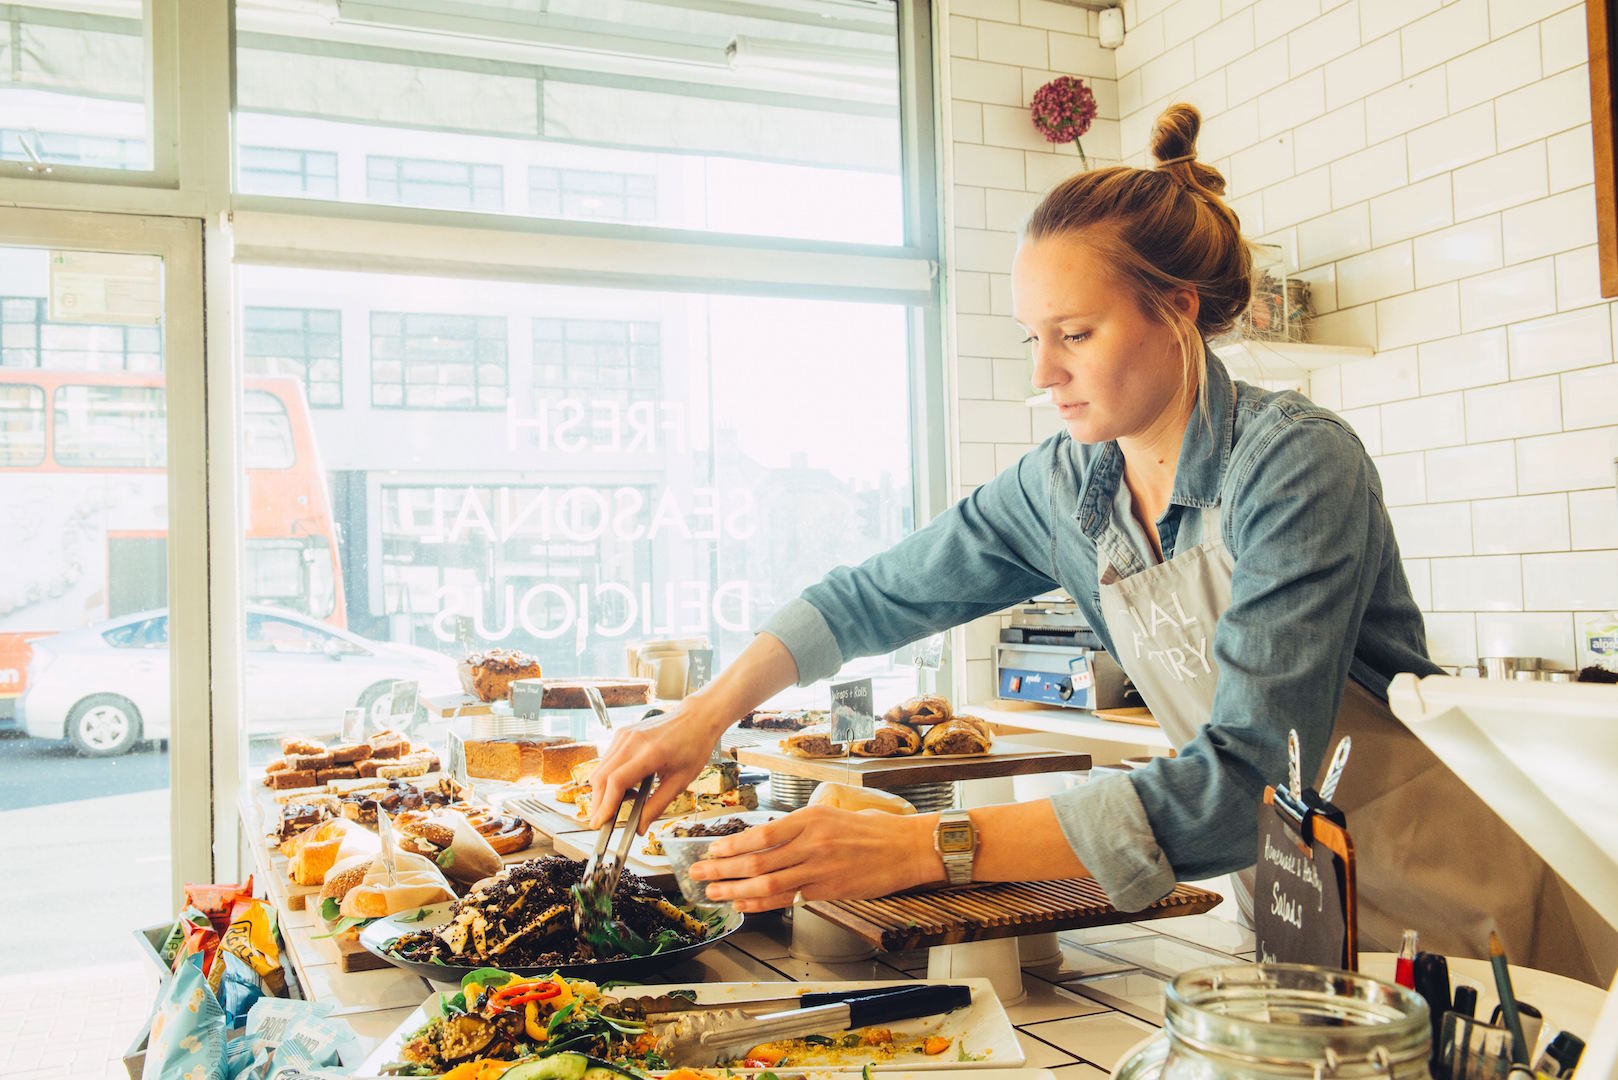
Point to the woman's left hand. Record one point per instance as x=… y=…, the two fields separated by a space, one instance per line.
x=821 y=853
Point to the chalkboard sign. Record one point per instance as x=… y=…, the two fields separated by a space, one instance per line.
x=1303 y=906
x=402 y=703
x=853 y=714
x=698 y=669
x=526 y=695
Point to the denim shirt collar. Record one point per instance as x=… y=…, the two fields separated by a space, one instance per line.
x=1199 y=475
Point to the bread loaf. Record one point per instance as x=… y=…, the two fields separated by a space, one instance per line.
x=488 y=676
x=557 y=762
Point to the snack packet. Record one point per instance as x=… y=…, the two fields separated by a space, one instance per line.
x=216 y=901
x=187 y=1040
x=286 y=1038
x=201 y=941
x=251 y=936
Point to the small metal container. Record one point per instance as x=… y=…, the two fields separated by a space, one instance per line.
x=1507 y=667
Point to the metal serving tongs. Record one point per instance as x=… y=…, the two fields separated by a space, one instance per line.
x=592 y=898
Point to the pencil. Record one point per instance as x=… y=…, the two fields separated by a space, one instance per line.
x=1508 y=1000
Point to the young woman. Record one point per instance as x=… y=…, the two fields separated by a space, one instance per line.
x=1231 y=548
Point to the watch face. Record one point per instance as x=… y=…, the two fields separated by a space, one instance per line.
x=954 y=839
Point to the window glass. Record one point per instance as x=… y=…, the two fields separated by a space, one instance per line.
x=661 y=465
x=271 y=633
x=152 y=633
x=306 y=343
x=777 y=120
x=110 y=426
x=275 y=170
x=266 y=432
x=76 y=90
x=29 y=338
x=22 y=424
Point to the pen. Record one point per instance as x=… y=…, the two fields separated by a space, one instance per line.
x=1466 y=1000
x=1431 y=977
x=1508 y=1000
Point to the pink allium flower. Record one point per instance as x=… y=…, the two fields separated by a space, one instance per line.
x=1063 y=109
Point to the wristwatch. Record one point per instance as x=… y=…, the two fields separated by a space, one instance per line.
x=956 y=842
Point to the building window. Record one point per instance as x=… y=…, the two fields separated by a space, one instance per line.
x=423 y=361
x=598 y=359
x=446 y=185
x=306 y=343
x=274 y=170
x=29 y=340
x=588 y=193
x=61 y=148
x=111 y=427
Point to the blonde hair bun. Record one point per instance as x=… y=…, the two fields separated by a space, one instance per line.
x=1174 y=146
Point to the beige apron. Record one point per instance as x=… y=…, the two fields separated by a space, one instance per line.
x=1431 y=855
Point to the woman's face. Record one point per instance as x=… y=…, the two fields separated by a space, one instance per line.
x=1112 y=369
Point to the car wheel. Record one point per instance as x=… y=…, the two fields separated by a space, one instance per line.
x=104 y=726
x=375 y=702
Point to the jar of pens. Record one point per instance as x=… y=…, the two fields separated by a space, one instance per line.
x=1464 y=1046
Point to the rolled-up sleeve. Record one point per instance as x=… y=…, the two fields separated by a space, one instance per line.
x=989 y=550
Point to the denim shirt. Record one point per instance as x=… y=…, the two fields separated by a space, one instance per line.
x=1319 y=595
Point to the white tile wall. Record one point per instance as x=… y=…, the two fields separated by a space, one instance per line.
x=1593 y=519
x=1460 y=362
x=1503 y=180
x=1520 y=525
x=1563 y=342
x=1482 y=583
x=1470 y=248
x=1514 y=410
x=1590 y=397
x=1479 y=471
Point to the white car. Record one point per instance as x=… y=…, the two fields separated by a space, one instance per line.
x=106 y=687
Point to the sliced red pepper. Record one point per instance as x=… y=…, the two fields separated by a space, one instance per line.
x=522 y=993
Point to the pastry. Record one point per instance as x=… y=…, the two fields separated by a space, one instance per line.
x=921 y=711
x=316 y=853
x=510 y=835
x=321 y=760
x=294 y=745
x=813 y=743
x=404 y=769
x=349 y=753
x=488 y=676
x=388 y=744
x=299 y=817
x=794 y=720
x=962 y=735
x=291 y=778
x=337 y=772
x=507 y=759
x=570 y=792
x=344 y=876
x=890 y=740
x=557 y=762
x=615 y=693
x=278 y=765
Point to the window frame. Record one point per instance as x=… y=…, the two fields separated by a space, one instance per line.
x=308 y=360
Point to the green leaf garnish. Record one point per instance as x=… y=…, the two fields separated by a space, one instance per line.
x=446 y=858
x=417 y=917
x=330 y=910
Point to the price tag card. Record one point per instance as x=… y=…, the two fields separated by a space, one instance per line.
x=853 y=714
x=525 y=698
x=353 y=725
x=402 y=704
x=1302 y=894
x=698 y=669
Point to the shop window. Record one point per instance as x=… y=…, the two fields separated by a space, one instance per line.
x=305 y=343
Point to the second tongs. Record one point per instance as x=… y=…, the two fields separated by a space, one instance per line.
x=592 y=900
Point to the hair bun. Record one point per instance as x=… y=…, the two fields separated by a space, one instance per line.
x=1174 y=142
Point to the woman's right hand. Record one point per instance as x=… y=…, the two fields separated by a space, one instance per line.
x=674 y=747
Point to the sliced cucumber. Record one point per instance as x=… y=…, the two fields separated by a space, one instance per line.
x=567 y=1066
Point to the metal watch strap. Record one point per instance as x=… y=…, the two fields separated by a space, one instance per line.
x=957 y=865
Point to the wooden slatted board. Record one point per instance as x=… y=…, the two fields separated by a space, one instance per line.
x=1006 y=757
x=1004 y=909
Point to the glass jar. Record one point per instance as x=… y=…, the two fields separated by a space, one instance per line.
x=1292 y=1021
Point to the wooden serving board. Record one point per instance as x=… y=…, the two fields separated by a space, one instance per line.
x=1005 y=758
x=1006 y=909
x=450 y=705
x=1139 y=715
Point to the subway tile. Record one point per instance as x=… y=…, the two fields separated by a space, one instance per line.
x=1332 y=35
x=1459 y=139
x=1518 y=525
x=1232 y=130
x=1507 y=179
x=966 y=121
x=1423 y=315
x=981 y=249
x=1376 y=275
x=1452 y=637
x=1572 y=159
x=1291 y=104
x=976 y=463
x=1277 y=18
x=1334 y=236
x=971 y=290
x=1434 y=531
x=973 y=80
x=1458 y=27
x=1472 y=247
x=1590 y=398
x=1419 y=573
x=963 y=36
x=1249 y=211
x=1377 y=17
x=1574 y=339
x=1262 y=164
x=1514 y=410
x=1231 y=7
x=1404 y=479
x=1074 y=54
x=1408 y=104
x=1551 y=105
x=1012 y=374
x=1298 y=199
x=1570 y=581
x=1411 y=210
x=1386 y=376
x=1000 y=293
x=1564 y=40
x=1508 y=15
x=1260 y=70
x=1500 y=67
x=1000 y=10
x=1478 y=583
x=1511 y=295
x=1367 y=424
x=989 y=335
x=967 y=210
x=1460 y=362
x=1167 y=74
x=1187 y=19
x=1129 y=96
x=1548 y=635
x=1593 y=519
x=1560 y=223
x=1008 y=209
x=1481 y=471
x=974 y=378
x=1425 y=423
x=1364 y=71
x=1048 y=15
x=994 y=421
x=1045 y=171
x=1329 y=138
x=1326 y=387
x=1229 y=40
x=1578 y=278
x=1567 y=462
x=1369 y=173
x=988 y=166
x=1346 y=326
x=1008 y=127
x=1142 y=41
x=1322 y=282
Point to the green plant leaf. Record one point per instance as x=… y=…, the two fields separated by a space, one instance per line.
x=446 y=858
x=417 y=917
x=330 y=910
x=347 y=922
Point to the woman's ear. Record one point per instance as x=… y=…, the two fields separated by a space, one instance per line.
x=1186 y=302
